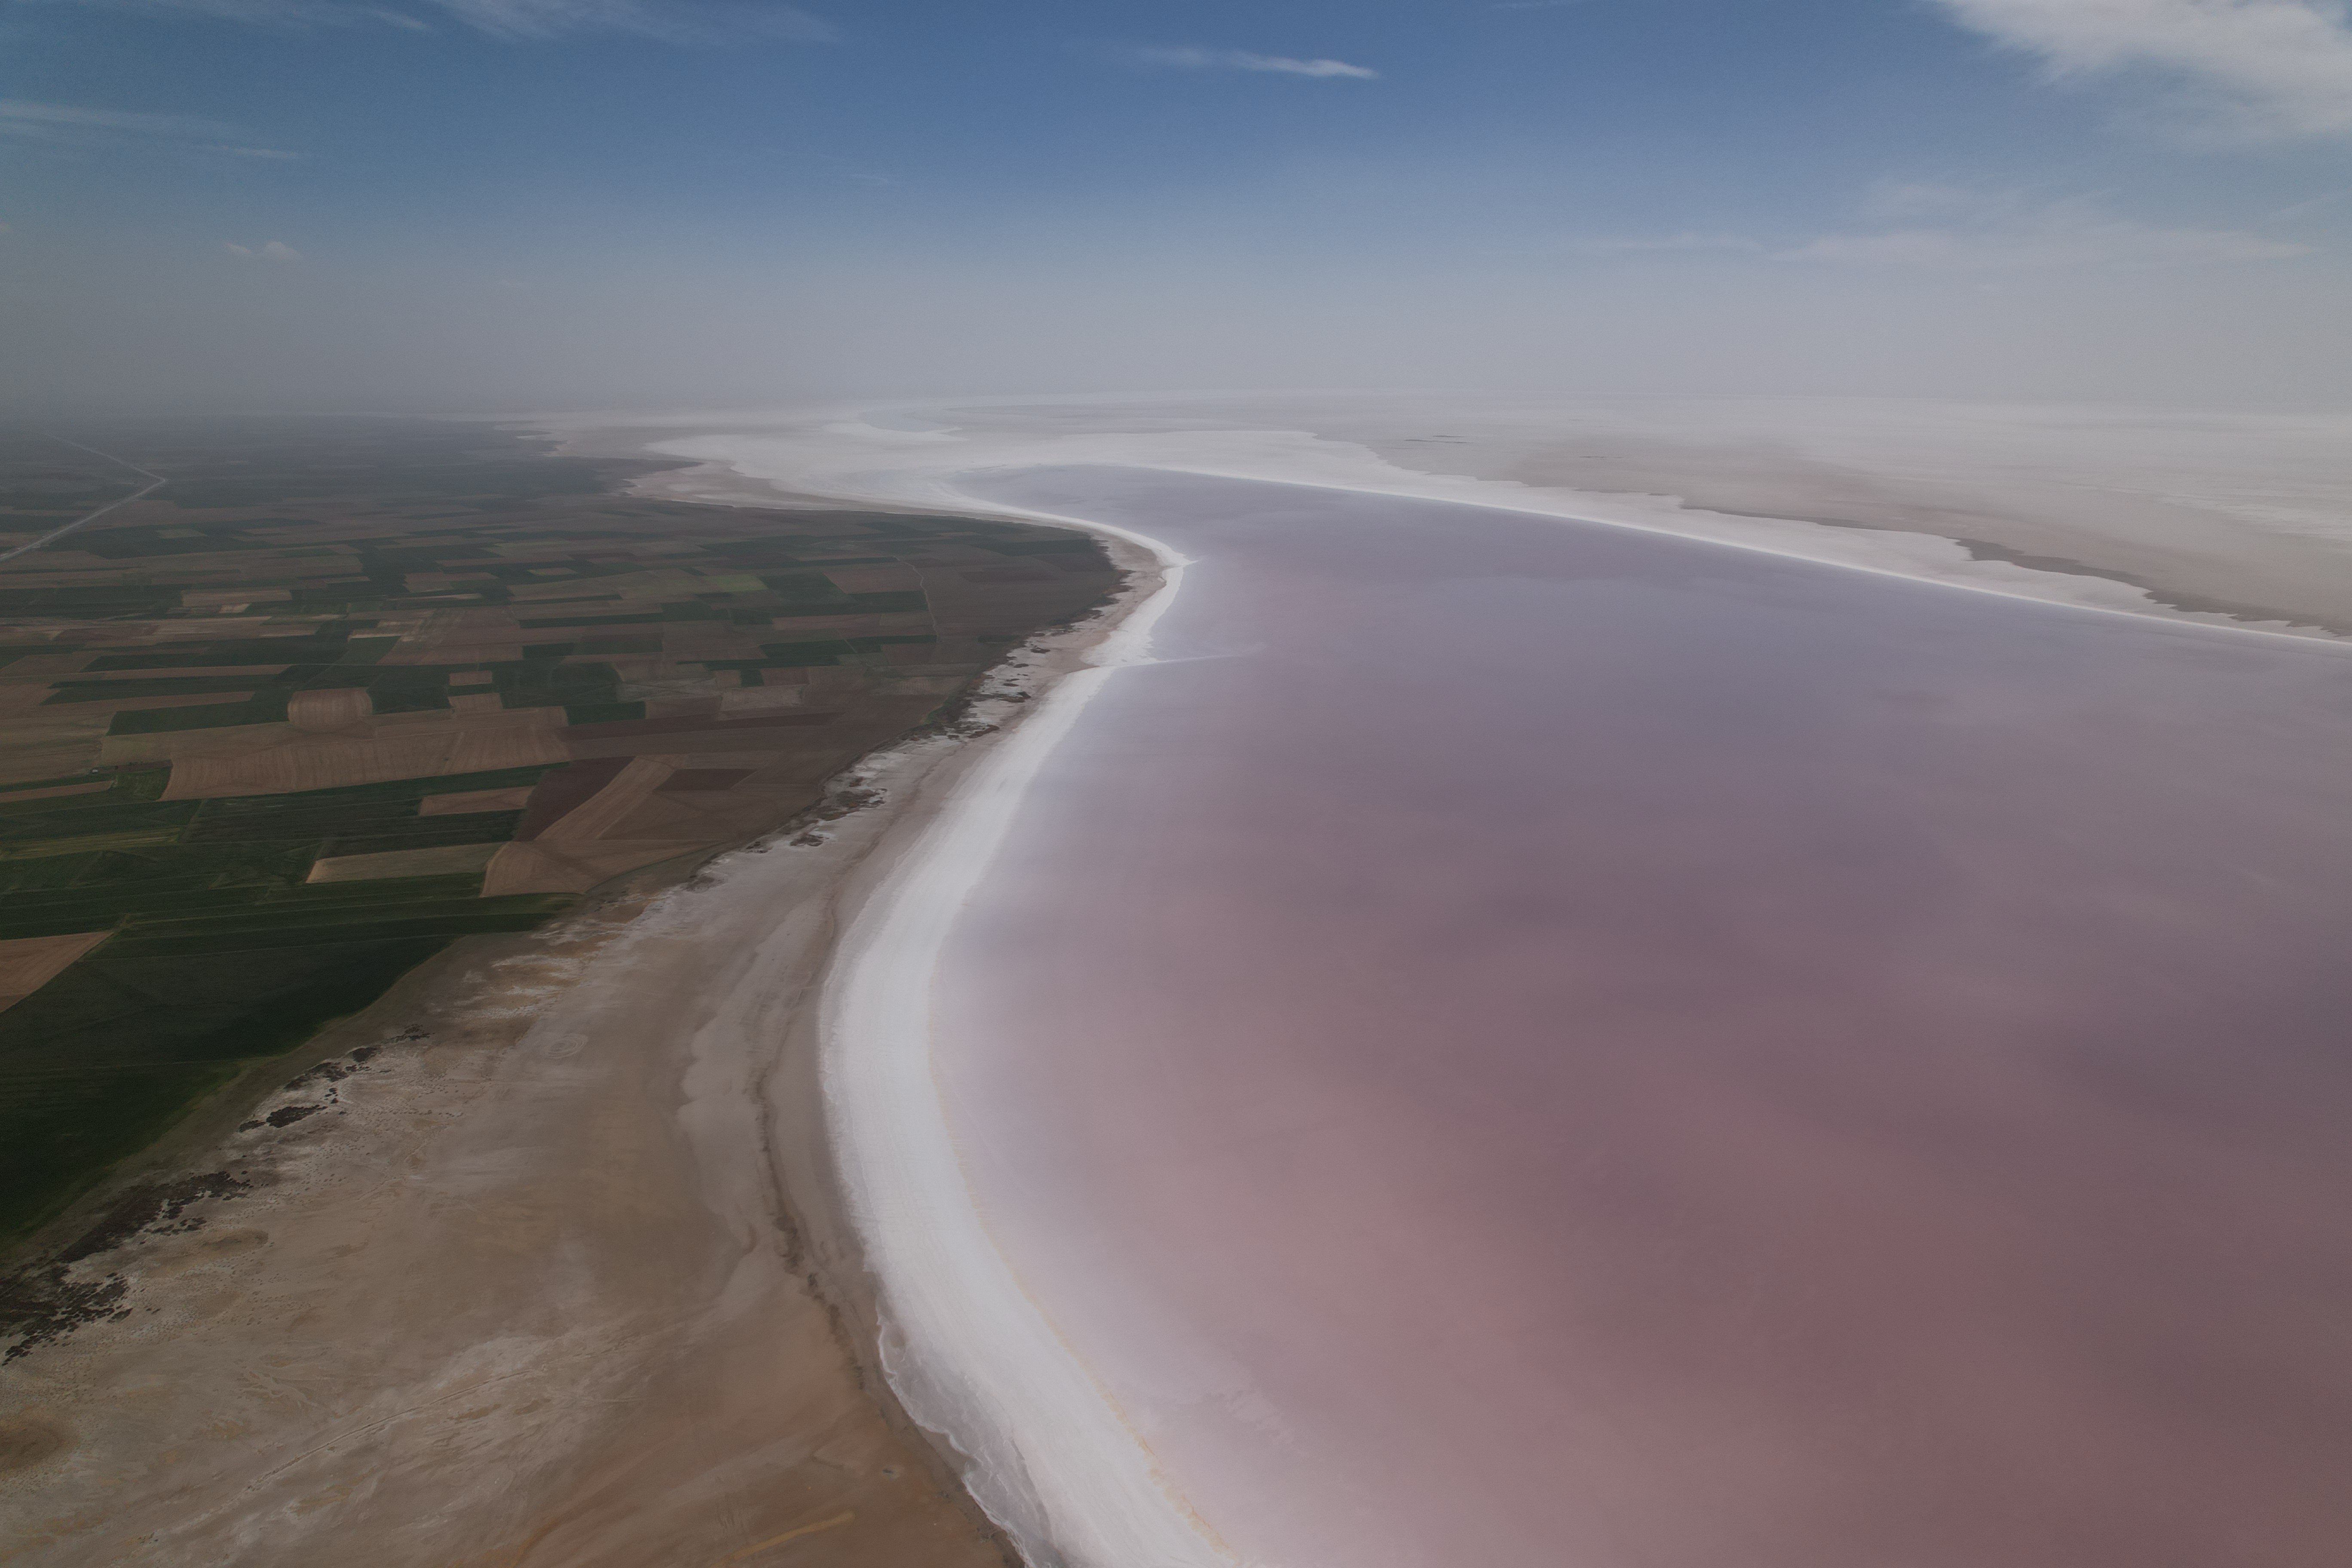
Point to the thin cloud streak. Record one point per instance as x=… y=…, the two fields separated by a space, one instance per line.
x=71 y=124
x=24 y=117
x=273 y=250
x=266 y=12
x=1190 y=58
x=1638 y=245
x=522 y=20
x=1945 y=228
x=2316 y=205
x=1999 y=233
x=518 y=21
x=2273 y=67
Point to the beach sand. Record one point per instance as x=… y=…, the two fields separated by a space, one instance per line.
x=536 y=1262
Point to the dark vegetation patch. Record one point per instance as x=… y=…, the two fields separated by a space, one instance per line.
x=221 y=951
x=42 y=1301
x=860 y=604
x=96 y=1063
x=159 y=1209
x=420 y=562
x=40 y=1305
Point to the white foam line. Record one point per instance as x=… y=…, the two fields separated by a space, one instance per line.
x=966 y=1348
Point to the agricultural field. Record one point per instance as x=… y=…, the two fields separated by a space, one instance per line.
x=340 y=692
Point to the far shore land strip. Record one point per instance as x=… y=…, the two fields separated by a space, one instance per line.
x=355 y=712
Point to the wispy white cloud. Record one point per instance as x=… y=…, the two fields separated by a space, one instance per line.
x=670 y=21
x=1633 y=245
x=1949 y=229
x=22 y=117
x=2106 y=242
x=273 y=250
x=2310 y=208
x=2274 y=68
x=1970 y=231
x=828 y=166
x=72 y=124
x=1188 y=58
x=262 y=13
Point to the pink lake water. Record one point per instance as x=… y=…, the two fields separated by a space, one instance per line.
x=1523 y=1043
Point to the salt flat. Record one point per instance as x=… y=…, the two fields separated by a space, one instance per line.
x=1514 y=1035
x=1522 y=1041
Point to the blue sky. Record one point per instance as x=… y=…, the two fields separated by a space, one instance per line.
x=500 y=202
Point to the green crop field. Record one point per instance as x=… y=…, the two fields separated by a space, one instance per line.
x=465 y=579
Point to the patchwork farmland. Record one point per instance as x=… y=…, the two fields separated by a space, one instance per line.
x=340 y=692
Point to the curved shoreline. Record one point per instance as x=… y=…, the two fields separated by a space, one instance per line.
x=1138 y=1225
x=555 y=1275
x=965 y=1347
x=963 y=1352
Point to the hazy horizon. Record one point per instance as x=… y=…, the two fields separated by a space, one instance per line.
x=501 y=206
x=1228 y=786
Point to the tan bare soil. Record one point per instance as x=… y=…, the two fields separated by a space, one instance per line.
x=520 y=1287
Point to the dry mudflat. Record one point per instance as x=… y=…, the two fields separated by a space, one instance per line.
x=509 y=1275
x=2239 y=515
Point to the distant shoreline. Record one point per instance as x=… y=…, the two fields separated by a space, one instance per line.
x=2102 y=512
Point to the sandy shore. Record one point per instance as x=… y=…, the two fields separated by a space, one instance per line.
x=541 y=1265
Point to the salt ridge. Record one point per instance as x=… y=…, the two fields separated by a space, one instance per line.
x=965 y=1346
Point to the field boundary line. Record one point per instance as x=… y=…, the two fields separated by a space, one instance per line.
x=160 y=481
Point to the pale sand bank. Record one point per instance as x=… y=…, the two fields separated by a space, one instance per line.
x=1053 y=1456
x=523 y=1292
x=551 y=1276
